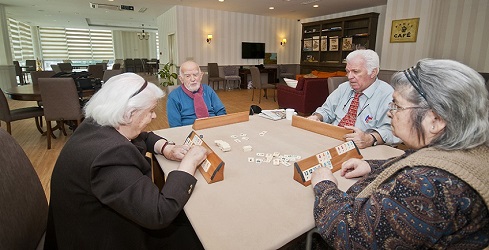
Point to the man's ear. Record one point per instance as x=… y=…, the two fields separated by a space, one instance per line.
x=374 y=73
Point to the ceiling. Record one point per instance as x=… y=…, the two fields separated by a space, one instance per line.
x=79 y=14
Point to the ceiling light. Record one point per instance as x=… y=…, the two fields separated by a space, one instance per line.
x=271 y=8
x=143 y=35
x=310 y=1
x=221 y=1
x=315 y=6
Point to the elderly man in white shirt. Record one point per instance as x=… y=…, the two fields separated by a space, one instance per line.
x=361 y=104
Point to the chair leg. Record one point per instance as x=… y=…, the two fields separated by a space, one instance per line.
x=252 y=93
x=39 y=124
x=48 y=135
x=309 y=238
x=259 y=96
x=9 y=128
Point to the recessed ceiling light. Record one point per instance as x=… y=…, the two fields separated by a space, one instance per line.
x=315 y=6
x=111 y=0
x=271 y=8
x=221 y=1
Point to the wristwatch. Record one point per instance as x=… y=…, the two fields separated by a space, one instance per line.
x=164 y=146
x=375 y=140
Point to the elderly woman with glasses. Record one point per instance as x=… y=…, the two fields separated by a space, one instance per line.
x=102 y=194
x=436 y=195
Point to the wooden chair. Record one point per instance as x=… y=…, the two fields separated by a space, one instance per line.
x=335 y=81
x=256 y=79
x=96 y=71
x=231 y=74
x=19 y=73
x=41 y=74
x=7 y=115
x=129 y=65
x=213 y=70
x=24 y=209
x=110 y=73
x=65 y=67
x=61 y=103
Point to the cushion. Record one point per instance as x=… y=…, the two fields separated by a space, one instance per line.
x=290 y=82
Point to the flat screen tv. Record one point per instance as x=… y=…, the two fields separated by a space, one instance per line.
x=252 y=50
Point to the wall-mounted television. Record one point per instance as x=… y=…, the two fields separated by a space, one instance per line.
x=252 y=50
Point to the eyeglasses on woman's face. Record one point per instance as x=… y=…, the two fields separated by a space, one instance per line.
x=393 y=107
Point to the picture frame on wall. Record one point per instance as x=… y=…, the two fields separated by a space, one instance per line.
x=404 y=30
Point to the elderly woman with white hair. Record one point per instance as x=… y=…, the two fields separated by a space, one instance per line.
x=435 y=196
x=102 y=194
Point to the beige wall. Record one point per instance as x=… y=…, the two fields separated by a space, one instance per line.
x=449 y=29
x=453 y=29
x=229 y=29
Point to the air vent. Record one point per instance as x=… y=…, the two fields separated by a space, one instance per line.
x=104 y=6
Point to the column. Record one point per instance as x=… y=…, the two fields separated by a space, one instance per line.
x=7 y=69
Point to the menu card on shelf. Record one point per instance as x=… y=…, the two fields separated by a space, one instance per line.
x=315 y=43
x=347 y=44
x=333 y=43
x=307 y=44
x=324 y=43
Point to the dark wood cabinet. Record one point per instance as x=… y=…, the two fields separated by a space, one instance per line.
x=325 y=44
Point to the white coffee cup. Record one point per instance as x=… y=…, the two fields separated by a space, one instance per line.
x=289 y=113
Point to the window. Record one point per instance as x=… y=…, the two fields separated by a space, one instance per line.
x=20 y=40
x=76 y=44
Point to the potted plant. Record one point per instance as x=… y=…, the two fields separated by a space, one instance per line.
x=166 y=75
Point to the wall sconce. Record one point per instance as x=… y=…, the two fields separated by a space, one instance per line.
x=283 y=42
x=209 y=38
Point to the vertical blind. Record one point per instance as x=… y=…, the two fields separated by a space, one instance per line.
x=20 y=40
x=76 y=44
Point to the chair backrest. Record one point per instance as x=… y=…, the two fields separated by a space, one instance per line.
x=96 y=71
x=24 y=208
x=35 y=75
x=65 y=67
x=116 y=66
x=255 y=77
x=31 y=64
x=231 y=71
x=55 y=68
x=213 y=69
x=18 y=69
x=60 y=99
x=110 y=73
x=104 y=65
x=335 y=81
x=4 y=108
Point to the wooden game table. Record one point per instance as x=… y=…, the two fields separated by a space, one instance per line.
x=257 y=205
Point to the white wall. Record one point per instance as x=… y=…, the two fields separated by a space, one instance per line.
x=128 y=45
x=229 y=29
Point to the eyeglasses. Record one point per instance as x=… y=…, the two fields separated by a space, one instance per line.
x=394 y=107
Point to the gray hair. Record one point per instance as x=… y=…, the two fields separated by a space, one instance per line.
x=370 y=57
x=113 y=104
x=457 y=94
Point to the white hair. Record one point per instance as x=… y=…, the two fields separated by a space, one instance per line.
x=119 y=97
x=370 y=57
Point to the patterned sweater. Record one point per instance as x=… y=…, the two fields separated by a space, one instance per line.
x=423 y=199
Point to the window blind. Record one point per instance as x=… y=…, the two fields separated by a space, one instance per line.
x=20 y=40
x=76 y=44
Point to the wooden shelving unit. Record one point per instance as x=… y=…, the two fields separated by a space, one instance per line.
x=325 y=44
